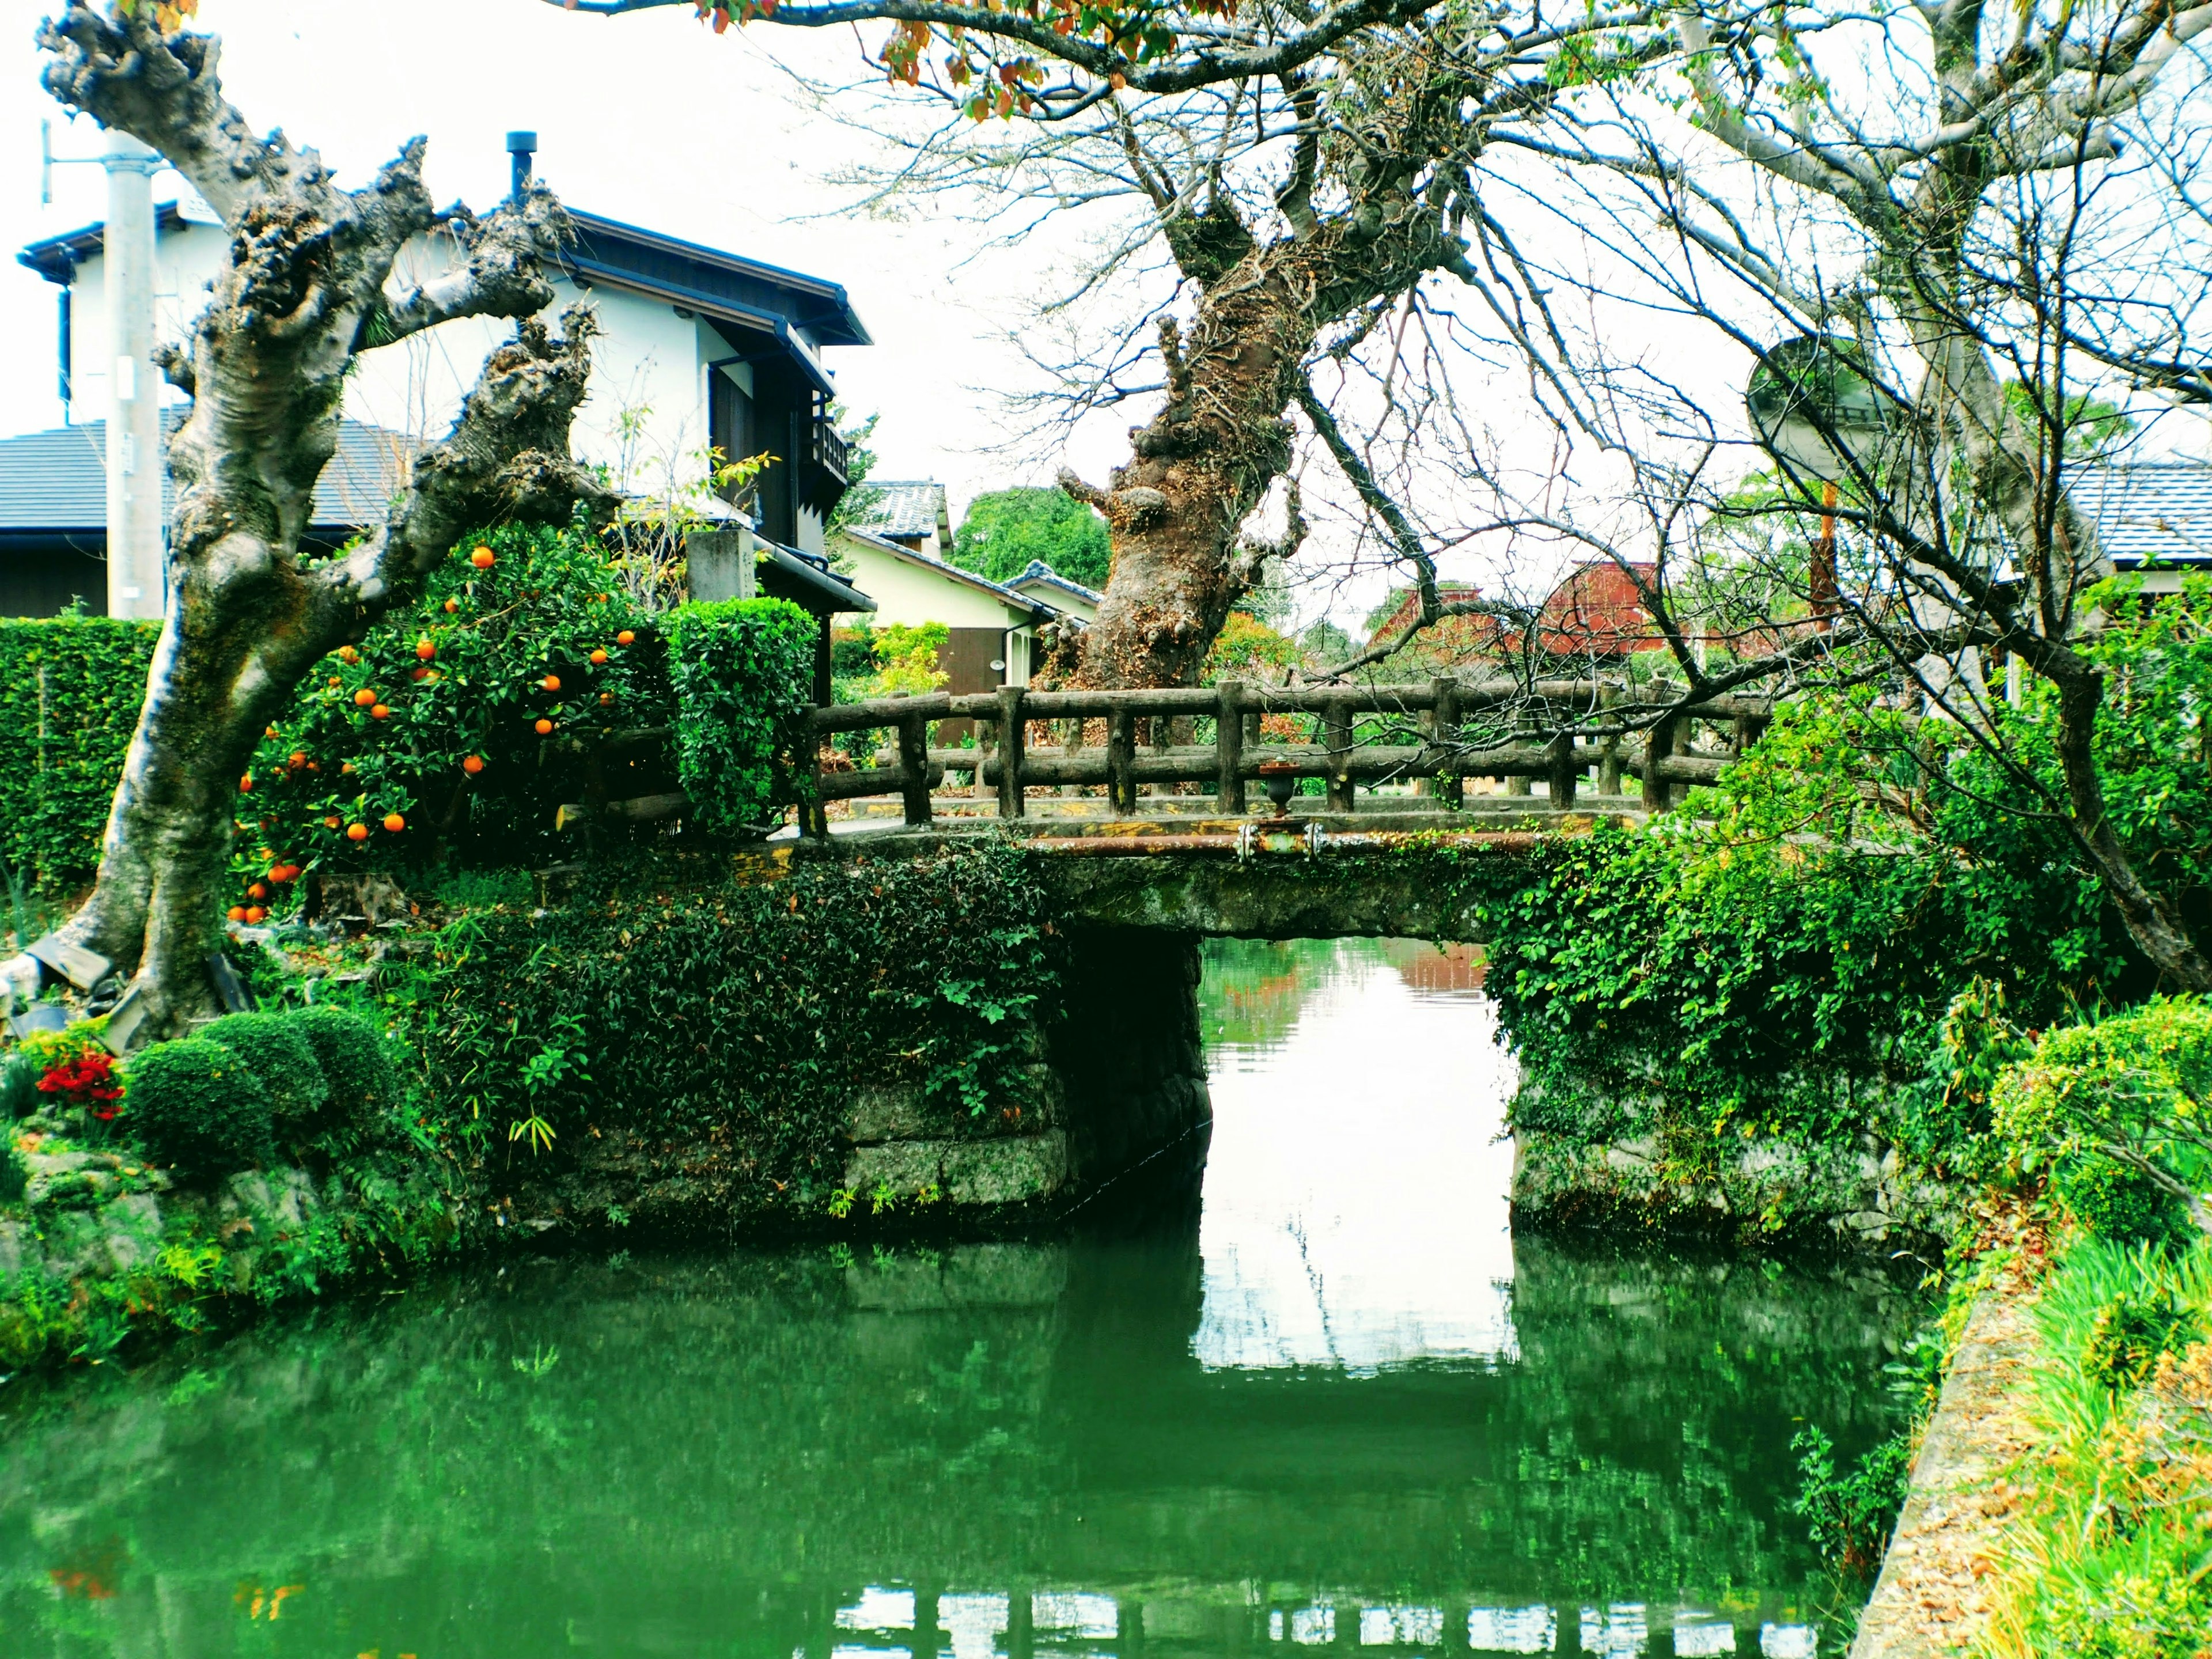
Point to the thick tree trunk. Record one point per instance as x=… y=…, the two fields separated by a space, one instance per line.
x=305 y=289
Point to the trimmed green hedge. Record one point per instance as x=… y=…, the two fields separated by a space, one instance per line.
x=70 y=689
x=742 y=668
x=197 y=1105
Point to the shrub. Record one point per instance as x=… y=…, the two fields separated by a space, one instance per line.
x=741 y=669
x=19 y=1087
x=69 y=692
x=280 y=1054
x=14 y=1175
x=2131 y=1330
x=197 y=1105
x=2113 y=1112
x=1851 y=1514
x=353 y=1060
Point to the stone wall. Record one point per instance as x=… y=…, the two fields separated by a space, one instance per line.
x=1758 y=1193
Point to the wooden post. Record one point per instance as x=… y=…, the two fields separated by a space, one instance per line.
x=1120 y=751
x=1445 y=719
x=914 y=767
x=1162 y=733
x=1072 y=733
x=1564 y=771
x=1341 y=796
x=1013 y=744
x=1609 y=766
x=1229 y=747
x=1658 y=745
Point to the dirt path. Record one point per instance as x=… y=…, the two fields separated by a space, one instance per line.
x=1930 y=1598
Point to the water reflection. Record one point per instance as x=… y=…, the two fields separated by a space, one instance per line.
x=1177 y=1445
x=1355 y=1211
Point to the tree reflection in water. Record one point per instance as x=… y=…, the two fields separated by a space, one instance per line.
x=993 y=1449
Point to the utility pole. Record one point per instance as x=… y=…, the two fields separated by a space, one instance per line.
x=137 y=576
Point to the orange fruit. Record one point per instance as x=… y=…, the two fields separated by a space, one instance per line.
x=394 y=822
x=472 y=765
x=299 y=757
x=236 y=913
x=625 y=637
x=545 y=728
x=334 y=681
x=245 y=784
x=254 y=913
x=363 y=697
x=356 y=832
x=346 y=767
x=347 y=653
x=379 y=713
x=452 y=605
x=482 y=558
x=331 y=821
x=550 y=683
x=425 y=650
x=257 y=891
x=418 y=672
x=598 y=657
x=270 y=733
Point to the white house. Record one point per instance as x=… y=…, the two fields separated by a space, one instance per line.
x=991 y=629
x=698 y=347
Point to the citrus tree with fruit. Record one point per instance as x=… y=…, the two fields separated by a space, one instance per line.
x=310 y=280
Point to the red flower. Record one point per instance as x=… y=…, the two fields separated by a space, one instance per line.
x=89 y=1081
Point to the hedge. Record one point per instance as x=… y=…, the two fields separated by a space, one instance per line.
x=71 y=687
x=742 y=669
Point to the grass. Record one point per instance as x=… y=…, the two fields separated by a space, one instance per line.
x=2111 y=1557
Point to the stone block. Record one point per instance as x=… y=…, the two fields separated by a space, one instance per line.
x=904 y=1166
x=133 y=1227
x=1009 y=1169
x=19 y=1251
x=881 y=1113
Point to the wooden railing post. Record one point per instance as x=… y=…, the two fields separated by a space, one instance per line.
x=1444 y=730
x=914 y=767
x=1121 y=751
x=1229 y=747
x=1658 y=746
x=1341 y=796
x=1012 y=745
x=1560 y=751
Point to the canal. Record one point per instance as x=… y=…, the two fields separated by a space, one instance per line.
x=1342 y=1407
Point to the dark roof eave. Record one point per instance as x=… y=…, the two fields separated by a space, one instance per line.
x=55 y=257
x=839 y=594
x=850 y=330
x=706 y=305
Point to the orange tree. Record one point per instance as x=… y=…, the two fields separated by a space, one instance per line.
x=457 y=726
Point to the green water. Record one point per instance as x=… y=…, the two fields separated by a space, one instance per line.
x=1341 y=1408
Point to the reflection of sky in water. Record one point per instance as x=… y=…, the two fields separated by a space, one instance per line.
x=1318 y=1249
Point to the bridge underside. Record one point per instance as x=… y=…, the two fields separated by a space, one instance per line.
x=1413 y=875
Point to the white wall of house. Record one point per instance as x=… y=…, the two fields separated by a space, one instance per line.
x=908 y=592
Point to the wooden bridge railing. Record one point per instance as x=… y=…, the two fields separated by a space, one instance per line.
x=1422 y=746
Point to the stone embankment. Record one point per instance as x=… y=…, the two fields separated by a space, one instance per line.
x=1931 y=1598
x=1760 y=1193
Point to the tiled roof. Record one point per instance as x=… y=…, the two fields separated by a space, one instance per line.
x=58 y=479
x=1597 y=611
x=2146 y=510
x=912 y=506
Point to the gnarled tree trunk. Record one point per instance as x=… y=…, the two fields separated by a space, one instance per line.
x=250 y=612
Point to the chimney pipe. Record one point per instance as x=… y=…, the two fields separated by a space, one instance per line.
x=520 y=147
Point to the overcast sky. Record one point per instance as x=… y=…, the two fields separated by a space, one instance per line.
x=650 y=119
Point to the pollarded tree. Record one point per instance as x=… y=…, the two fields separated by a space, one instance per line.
x=1303 y=170
x=308 y=285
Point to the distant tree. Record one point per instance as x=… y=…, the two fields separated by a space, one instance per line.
x=1006 y=529
x=860 y=497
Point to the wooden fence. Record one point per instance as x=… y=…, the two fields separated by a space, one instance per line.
x=1363 y=734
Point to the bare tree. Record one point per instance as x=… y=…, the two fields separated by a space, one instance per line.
x=1301 y=172
x=1934 y=238
x=306 y=287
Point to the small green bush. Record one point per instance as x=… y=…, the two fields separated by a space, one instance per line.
x=283 y=1058
x=353 y=1060
x=2129 y=1332
x=2115 y=1201
x=197 y=1105
x=19 y=1087
x=742 y=668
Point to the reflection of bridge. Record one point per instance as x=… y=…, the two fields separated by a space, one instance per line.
x=1439 y=733
x=907 y=1621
